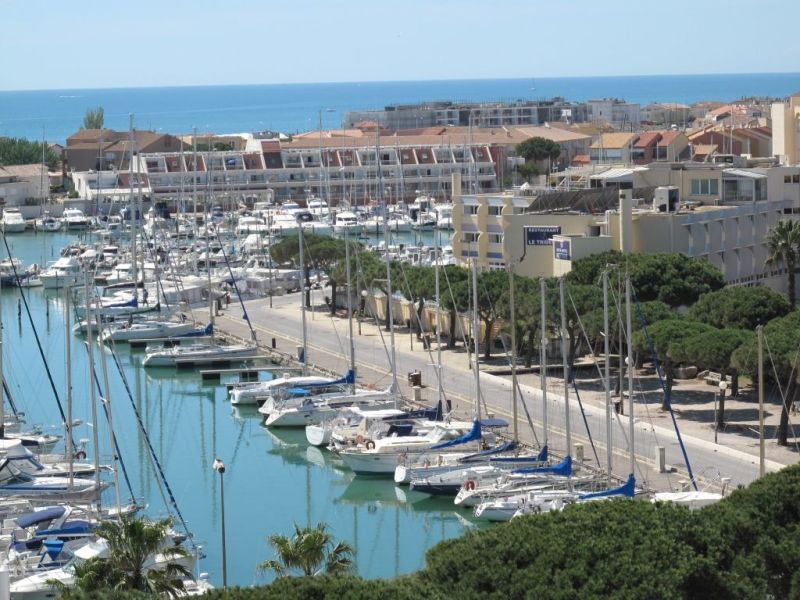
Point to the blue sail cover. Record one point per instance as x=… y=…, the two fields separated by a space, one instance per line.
x=54 y=548
x=40 y=516
x=133 y=302
x=627 y=489
x=562 y=468
x=348 y=378
x=472 y=435
x=506 y=447
x=541 y=457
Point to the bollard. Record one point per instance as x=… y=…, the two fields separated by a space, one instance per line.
x=274 y=343
x=661 y=459
x=578 y=453
x=300 y=355
x=416 y=393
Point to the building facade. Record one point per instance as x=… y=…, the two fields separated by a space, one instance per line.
x=786 y=130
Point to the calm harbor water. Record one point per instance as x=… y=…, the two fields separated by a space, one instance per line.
x=298 y=107
x=272 y=480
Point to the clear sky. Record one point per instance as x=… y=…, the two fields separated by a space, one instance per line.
x=61 y=44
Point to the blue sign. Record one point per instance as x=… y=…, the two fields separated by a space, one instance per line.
x=561 y=249
x=541 y=235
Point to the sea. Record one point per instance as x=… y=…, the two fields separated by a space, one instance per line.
x=290 y=108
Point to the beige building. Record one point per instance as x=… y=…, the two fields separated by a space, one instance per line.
x=705 y=211
x=786 y=130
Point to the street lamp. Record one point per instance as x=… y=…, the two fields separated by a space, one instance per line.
x=361 y=310
x=723 y=385
x=219 y=467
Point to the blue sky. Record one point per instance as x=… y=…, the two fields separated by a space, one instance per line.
x=61 y=44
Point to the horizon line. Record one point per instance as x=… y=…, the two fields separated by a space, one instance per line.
x=310 y=83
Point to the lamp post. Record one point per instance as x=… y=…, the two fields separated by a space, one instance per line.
x=723 y=385
x=363 y=305
x=219 y=467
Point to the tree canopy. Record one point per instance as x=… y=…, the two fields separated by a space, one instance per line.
x=742 y=547
x=19 y=151
x=740 y=307
x=783 y=245
x=538 y=149
x=94 y=118
x=673 y=278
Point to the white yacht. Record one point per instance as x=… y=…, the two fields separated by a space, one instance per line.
x=315 y=409
x=284 y=224
x=444 y=216
x=197 y=354
x=259 y=392
x=65 y=272
x=347 y=221
x=47 y=222
x=381 y=456
x=74 y=218
x=150 y=330
x=13 y=221
x=349 y=423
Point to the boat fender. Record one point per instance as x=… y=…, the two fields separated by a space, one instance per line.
x=370 y=445
x=80 y=455
x=469 y=484
x=359 y=439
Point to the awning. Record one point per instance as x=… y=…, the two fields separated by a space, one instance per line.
x=739 y=173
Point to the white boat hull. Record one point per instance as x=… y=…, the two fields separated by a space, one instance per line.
x=170 y=358
x=54 y=282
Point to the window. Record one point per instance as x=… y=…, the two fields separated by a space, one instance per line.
x=471 y=209
x=495 y=238
x=705 y=187
x=494 y=211
x=470 y=238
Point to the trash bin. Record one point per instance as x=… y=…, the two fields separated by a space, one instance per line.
x=415 y=379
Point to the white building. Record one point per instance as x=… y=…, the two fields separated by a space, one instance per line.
x=615 y=111
x=25 y=186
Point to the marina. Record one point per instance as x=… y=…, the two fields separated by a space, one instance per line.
x=190 y=422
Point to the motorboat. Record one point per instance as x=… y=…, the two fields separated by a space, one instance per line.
x=197 y=354
x=346 y=222
x=22 y=458
x=12 y=221
x=444 y=216
x=691 y=499
x=17 y=484
x=75 y=219
x=65 y=272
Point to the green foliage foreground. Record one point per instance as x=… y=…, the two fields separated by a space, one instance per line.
x=747 y=546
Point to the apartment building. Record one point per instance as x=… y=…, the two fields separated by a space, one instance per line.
x=24 y=186
x=615 y=111
x=715 y=212
x=103 y=149
x=786 y=130
x=352 y=166
x=464 y=114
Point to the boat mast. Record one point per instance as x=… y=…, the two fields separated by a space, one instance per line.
x=512 y=308
x=390 y=311
x=208 y=244
x=349 y=308
x=106 y=399
x=565 y=364
x=2 y=372
x=135 y=230
x=607 y=376
x=629 y=361
x=439 y=319
x=68 y=351
x=194 y=184
x=92 y=386
x=303 y=288
x=476 y=334
x=543 y=356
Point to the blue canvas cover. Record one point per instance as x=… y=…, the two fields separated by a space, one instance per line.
x=472 y=435
x=562 y=468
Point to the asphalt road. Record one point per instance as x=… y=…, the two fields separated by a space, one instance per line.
x=328 y=346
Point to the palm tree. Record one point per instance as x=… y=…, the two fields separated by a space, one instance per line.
x=783 y=243
x=311 y=550
x=132 y=544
